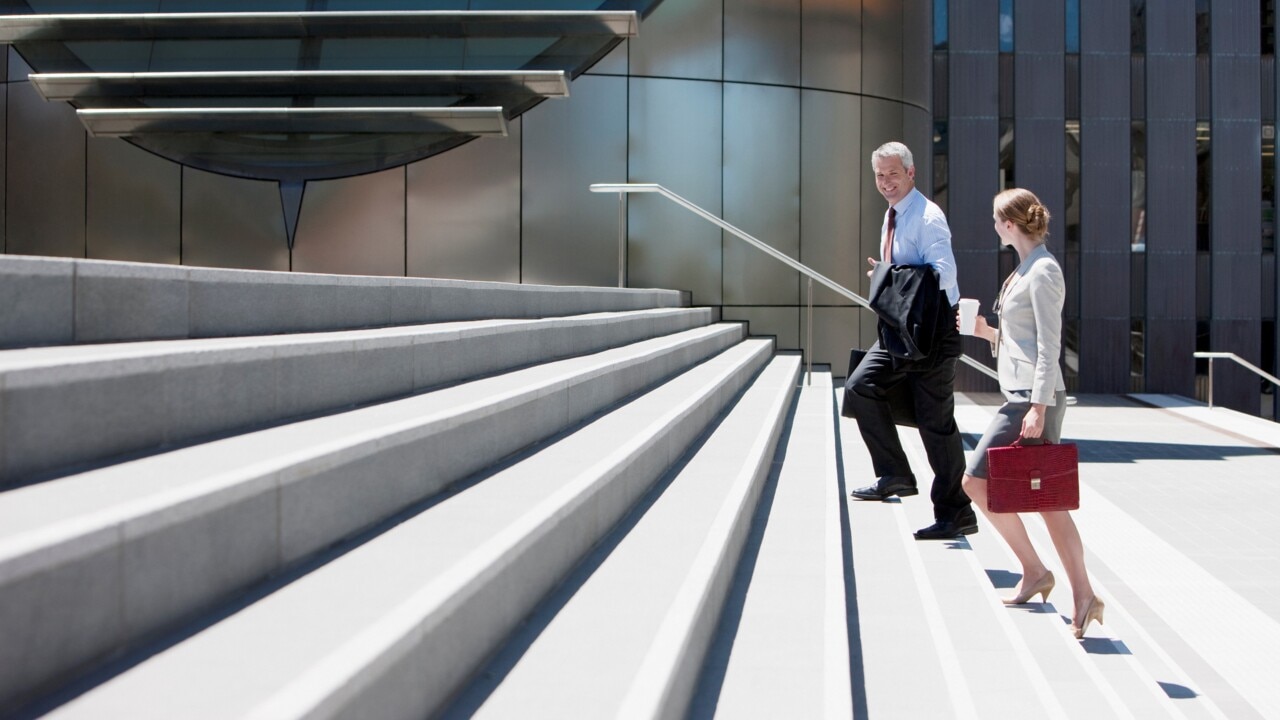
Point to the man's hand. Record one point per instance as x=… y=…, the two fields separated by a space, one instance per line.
x=872 y=262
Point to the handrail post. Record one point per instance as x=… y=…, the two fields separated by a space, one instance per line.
x=1210 y=383
x=809 y=343
x=622 y=239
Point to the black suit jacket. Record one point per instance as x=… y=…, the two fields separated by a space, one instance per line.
x=907 y=299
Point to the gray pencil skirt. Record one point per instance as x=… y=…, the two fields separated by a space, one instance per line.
x=1006 y=426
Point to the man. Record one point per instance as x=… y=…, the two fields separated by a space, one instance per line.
x=915 y=233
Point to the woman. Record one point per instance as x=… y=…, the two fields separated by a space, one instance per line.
x=1026 y=343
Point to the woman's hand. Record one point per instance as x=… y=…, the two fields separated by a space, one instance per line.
x=980 y=328
x=1033 y=421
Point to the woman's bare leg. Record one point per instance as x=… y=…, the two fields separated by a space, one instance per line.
x=1010 y=527
x=1066 y=538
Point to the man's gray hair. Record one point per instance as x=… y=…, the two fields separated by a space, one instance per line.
x=894 y=149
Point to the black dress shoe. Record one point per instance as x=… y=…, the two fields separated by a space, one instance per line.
x=966 y=523
x=886 y=487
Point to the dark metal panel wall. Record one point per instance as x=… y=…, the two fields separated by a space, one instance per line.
x=682 y=39
x=917 y=57
x=675 y=140
x=917 y=132
x=1171 y=197
x=569 y=234
x=882 y=49
x=134 y=204
x=761 y=192
x=333 y=239
x=464 y=211
x=1039 y=133
x=1236 y=222
x=45 y=183
x=831 y=44
x=974 y=159
x=232 y=223
x=1104 y=196
x=833 y=168
x=762 y=41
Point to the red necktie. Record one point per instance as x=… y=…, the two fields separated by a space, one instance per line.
x=886 y=252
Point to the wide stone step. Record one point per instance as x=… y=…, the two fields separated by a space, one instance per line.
x=54 y=301
x=628 y=634
x=127 y=550
x=65 y=405
x=782 y=648
x=396 y=625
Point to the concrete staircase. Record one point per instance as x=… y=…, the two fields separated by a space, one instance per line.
x=264 y=495
x=247 y=494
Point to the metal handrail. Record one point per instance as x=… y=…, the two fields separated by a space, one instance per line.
x=624 y=189
x=1211 y=356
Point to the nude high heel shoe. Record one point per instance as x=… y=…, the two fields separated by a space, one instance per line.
x=1043 y=586
x=1091 y=613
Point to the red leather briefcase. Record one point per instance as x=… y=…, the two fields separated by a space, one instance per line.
x=1033 y=478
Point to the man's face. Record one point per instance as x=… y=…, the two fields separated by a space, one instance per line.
x=892 y=179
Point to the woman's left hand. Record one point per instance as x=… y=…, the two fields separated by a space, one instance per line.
x=1033 y=421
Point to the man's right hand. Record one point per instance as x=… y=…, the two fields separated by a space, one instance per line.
x=872 y=262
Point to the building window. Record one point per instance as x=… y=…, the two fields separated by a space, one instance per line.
x=1268 y=188
x=1072 y=220
x=1071 y=354
x=1268 y=46
x=1138 y=27
x=1073 y=26
x=1203 y=195
x=1137 y=355
x=1202 y=27
x=1006 y=154
x=940 y=24
x=1269 y=394
x=1006 y=26
x=1138 y=187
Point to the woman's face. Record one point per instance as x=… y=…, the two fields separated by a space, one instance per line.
x=1003 y=229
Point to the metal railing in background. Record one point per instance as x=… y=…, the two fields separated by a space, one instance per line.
x=1211 y=356
x=624 y=189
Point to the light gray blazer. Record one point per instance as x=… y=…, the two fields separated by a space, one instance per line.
x=1029 y=330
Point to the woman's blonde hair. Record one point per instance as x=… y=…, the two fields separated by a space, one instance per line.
x=1023 y=208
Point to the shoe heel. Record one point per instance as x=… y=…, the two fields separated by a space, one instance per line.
x=1094 y=612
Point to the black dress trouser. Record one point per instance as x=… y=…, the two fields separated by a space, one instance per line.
x=931 y=382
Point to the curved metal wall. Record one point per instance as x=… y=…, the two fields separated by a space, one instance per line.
x=763 y=111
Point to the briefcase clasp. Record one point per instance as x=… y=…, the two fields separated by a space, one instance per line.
x=1035 y=483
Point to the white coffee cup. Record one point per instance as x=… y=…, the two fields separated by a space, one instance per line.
x=968 y=315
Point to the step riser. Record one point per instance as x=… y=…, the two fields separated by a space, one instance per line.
x=47 y=301
x=160 y=568
x=53 y=418
x=417 y=676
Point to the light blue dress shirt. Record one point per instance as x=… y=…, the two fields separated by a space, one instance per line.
x=921 y=237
